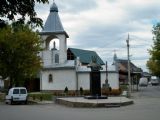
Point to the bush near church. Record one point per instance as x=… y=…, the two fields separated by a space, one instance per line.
x=2 y=97
x=40 y=96
x=114 y=92
x=107 y=92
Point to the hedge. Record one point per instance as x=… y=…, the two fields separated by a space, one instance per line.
x=40 y=96
x=2 y=97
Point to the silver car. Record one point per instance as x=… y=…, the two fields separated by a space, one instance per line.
x=154 y=82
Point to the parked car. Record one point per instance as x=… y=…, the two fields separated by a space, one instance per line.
x=154 y=82
x=16 y=94
x=143 y=82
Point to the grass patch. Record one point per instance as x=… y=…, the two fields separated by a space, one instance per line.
x=2 y=97
x=40 y=96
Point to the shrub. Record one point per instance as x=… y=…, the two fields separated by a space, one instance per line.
x=111 y=91
x=40 y=96
x=123 y=87
x=86 y=92
x=71 y=93
x=81 y=91
x=115 y=92
x=2 y=97
x=105 y=91
x=66 y=90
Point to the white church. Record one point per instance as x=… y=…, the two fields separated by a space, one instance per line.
x=67 y=67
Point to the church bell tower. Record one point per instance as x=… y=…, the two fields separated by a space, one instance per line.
x=53 y=29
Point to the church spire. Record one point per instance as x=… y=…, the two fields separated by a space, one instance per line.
x=54 y=7
x=115 y=60
x=115 y=56
x=53 y=23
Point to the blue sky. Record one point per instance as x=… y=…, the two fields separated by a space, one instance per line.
x=103 y=26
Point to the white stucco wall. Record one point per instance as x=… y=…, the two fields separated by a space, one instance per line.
x=83 y=80
x=61 y=79
x=103 y=78
x=46 y=57
x=113 y=80
x=67 y=77
x=62 y=48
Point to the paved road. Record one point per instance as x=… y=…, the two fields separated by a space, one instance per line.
x=148 y=92
x=146 y=107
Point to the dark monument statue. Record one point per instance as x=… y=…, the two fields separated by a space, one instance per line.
x=95 y=80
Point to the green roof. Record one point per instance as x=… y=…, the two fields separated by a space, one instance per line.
x=86 y=55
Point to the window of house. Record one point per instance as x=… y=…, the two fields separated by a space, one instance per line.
x=56 y=58
x=50 y=78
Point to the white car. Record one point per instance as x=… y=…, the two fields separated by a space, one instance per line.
x=154 y=82
x=16 y=94
x=143 y=82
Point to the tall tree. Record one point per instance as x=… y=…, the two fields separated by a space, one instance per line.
x=22 y=9
x=154 y=61
x=19 y=48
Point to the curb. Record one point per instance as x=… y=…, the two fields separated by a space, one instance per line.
x=40 y=102
x=77 y=104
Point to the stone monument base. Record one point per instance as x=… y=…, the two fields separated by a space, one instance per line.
x=80 y=102
x=96 y=97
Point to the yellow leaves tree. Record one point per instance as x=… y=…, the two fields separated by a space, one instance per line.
x=153 y=63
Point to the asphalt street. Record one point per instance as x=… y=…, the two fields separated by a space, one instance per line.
x=146 y=107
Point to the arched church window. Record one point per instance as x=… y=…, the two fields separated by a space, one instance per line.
x=50 y=78
x=56 y=58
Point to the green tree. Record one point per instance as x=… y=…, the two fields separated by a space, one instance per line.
x=19 y=48
x=153 y=63
x=20 y=9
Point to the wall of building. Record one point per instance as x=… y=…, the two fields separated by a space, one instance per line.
x=113 y=80
x=48 y=57
x=83 y=80
x=61 y=79
x=103 y=78
x=62 y=48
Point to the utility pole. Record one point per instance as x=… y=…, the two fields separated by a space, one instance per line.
x=106 y=81
x=129 y=74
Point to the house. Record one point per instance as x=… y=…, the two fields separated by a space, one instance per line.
x=147 y=75
x=122 y=66
x=64 y=67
